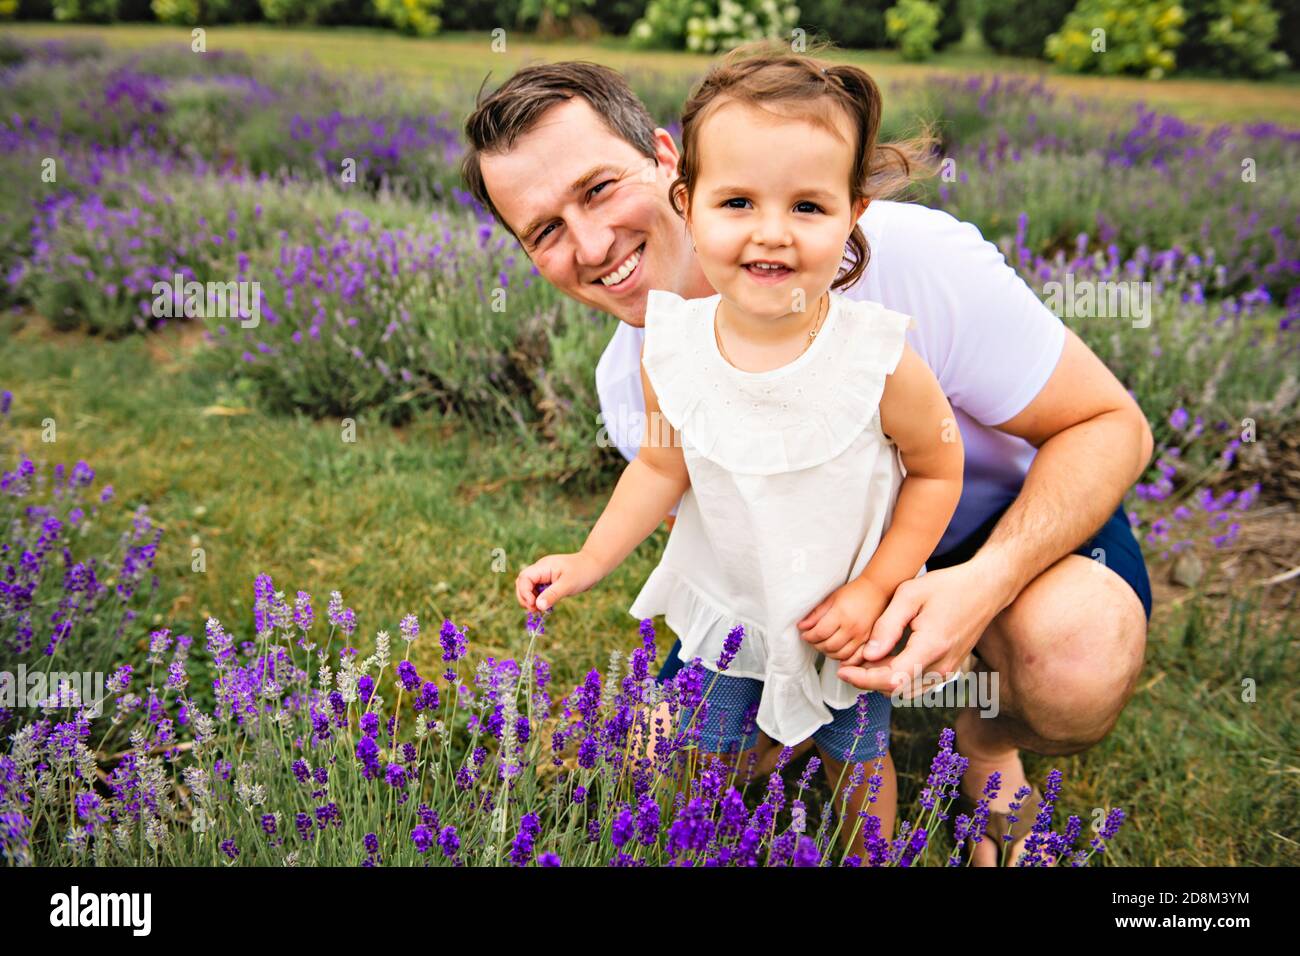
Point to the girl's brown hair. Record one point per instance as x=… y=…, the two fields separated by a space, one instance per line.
x=767 y=72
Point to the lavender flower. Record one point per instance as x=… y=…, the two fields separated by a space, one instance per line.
x=806 y=852
x=408 y=676
x=731 y=646
x=448 y=841
x=423 y=838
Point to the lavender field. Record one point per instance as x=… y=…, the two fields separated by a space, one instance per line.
x=288 y=533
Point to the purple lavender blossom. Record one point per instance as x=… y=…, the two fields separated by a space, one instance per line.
x=731 y=646
x=454 y=643
x=408 y=676
x=423 y=838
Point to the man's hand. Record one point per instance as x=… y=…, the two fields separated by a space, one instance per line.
x=563 y=574
x=838 y=625
x=948 y=610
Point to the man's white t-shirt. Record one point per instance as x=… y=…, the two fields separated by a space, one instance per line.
x=988 y=339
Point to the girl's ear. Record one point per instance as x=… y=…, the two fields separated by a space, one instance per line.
x=860 y=207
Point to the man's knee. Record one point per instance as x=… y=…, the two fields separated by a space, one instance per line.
x=1073 y=643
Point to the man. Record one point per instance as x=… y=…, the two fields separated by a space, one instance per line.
x=1038 y=572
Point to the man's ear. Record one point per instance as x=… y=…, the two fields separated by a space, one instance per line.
x=666 y=150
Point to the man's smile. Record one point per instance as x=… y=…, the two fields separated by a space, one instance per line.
x=618 y=277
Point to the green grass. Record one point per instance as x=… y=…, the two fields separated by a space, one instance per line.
x=466 y=57
x=409 y=520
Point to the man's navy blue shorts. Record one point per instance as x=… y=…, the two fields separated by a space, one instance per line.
x=1119 y=551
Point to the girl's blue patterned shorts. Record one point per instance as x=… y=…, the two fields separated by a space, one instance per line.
x=728 y=724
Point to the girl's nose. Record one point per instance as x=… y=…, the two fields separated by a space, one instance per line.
x=772 y=233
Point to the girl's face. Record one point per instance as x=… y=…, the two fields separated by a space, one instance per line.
x=771 y=190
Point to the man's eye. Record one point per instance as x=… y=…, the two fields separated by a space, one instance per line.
x=542 y=235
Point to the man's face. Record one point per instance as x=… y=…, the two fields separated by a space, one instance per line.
x=776 y=191
x=619 y=209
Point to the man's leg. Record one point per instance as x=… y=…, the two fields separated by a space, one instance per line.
x=1068 y=652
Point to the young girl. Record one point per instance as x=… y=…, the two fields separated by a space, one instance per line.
x=812 y=450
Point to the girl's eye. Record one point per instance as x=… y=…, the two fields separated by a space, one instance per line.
x=543 y=234
x=815 y=207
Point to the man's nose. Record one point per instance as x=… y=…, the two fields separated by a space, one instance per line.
x=591 y=242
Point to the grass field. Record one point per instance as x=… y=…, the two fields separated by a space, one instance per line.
x=412 y=519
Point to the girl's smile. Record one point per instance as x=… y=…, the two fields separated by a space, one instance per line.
x=768 y=271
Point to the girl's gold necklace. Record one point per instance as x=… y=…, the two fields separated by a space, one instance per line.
x=717 y=337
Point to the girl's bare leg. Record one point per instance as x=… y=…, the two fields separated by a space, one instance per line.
x=769 y=752
x=642 y=744
x=885 y=807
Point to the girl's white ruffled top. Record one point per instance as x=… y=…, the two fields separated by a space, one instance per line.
x=792 y=486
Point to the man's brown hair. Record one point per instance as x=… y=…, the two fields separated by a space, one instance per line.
x=761 y=73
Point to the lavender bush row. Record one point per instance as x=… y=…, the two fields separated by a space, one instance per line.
x=445 y=313
x=1212 y=370
x=1181 y=337
x=94 y=260
x=1129 y=177
x=259 y=116
x=301 y=759
x=101 y=124
x=385 y=308
x=1187 y=512
x=69 y=589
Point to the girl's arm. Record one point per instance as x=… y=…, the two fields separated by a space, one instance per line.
x=916 y=416
x=650 y=485
x=915 y=413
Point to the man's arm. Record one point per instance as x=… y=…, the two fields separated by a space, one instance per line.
x=1009 y=364
x=1093 y=443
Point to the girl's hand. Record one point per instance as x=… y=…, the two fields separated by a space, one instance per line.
x=842 y=623
x=563 y=574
